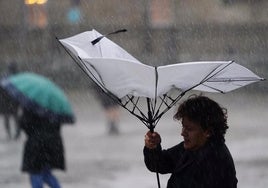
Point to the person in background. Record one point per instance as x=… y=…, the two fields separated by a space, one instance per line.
x=201 y=160
x=43 y=149
x=111 y=109
x=8 y=107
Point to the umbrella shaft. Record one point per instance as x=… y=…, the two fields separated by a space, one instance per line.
x=150 y=116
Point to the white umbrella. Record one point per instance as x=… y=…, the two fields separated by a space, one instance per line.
x=122 y=76
x=128 y=81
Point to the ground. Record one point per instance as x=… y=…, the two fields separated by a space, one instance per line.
x=95 y=159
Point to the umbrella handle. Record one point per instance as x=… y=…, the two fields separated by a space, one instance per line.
x=158 y=180
x=156 y=170
x=151 y=127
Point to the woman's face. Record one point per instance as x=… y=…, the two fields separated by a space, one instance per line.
x=194 y=136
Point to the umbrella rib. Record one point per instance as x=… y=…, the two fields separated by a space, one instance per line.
x=210 y=75
x=134 y=103
x=160 y=105
x=101 y=80
x=214 y=88
x=163 y=100
x=170 y=98
x=130 y=98
x=143 y=120
x=208 y=78
x=237 y=79
x=80 y=62
x=171 y=104
x=230 y=80
x=96 y=80
x=135 y=107
x=73 y=58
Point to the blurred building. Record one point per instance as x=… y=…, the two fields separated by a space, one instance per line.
x=159 y=31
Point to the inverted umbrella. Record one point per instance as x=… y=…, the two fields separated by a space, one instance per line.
x=39 y=95
x=132 y=83
x=128 y=81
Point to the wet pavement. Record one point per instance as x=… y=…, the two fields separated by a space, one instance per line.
x=95 y=159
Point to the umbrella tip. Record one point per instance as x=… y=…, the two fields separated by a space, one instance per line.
x=95 y=41
x=122 y=30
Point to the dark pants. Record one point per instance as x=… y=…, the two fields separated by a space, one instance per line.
x=7 y=118
x=45 y=176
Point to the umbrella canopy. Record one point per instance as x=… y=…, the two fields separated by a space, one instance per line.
x=39 y=95
x=126 y=79
x=117 y=71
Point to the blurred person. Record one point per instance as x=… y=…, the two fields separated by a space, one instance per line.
x=43 y=149
x=8 y=108
x=201 y=160
x=111 y=109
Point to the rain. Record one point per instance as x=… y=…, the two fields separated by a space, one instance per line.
x=158 y=33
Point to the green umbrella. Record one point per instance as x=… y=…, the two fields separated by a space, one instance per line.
x=38 y=94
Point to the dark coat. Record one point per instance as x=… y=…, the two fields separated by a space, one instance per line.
x=7 y=104
x=43 y=147
x=210 y=167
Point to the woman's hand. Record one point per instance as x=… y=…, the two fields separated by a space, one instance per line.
x=152 y=140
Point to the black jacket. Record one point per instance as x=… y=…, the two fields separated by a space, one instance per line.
x=211 y=166
x=43 y=147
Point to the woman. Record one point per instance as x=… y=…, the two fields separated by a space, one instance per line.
x=202 y=160
x=43 y=150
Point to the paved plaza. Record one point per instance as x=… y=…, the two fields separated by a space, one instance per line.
x=95 y=159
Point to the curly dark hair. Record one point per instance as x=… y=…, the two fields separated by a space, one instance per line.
x=208 y=113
